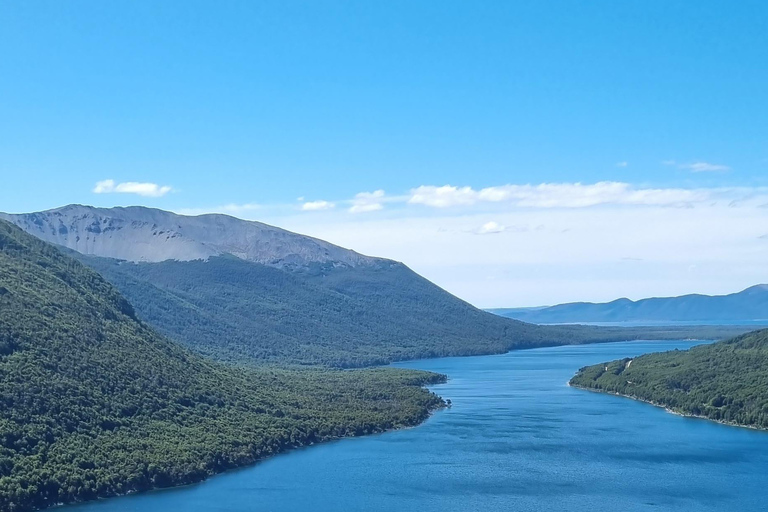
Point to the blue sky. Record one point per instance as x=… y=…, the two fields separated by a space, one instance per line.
x=244 y=107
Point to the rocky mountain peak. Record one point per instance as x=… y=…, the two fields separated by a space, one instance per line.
x=138 y=233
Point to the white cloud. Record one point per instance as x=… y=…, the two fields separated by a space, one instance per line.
x=704 y=167
x=622 y=164
x=367 y=202
x=131 y=187
x=556 y=195
x=491 y=227
x=104 y=187
x=442 y=197
x=312 y=206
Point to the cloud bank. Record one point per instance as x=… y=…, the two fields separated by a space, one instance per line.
x=558 y=195
x=498 y=198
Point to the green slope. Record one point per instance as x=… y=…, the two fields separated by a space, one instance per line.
x=94 y=403
x=234 y=310
x=725 y=381
x=237 y=310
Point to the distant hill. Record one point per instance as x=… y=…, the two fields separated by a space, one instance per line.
x=724 y=381
x=94 y=403
x=746 y=306
x=303 y=302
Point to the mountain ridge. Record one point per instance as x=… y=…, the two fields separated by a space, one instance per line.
x=750 y=304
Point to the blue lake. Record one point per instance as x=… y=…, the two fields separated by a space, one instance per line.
x=517 y=439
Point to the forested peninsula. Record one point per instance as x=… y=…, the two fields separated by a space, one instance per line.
x=725 y=381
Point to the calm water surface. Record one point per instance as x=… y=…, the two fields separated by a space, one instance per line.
x=517 y=439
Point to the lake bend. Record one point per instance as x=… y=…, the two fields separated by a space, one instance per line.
x=517 y=438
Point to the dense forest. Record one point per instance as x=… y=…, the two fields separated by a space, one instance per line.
x=725 y=381
x=95 y=403
x=239 y=311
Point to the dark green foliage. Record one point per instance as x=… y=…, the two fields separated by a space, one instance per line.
x=94 y=403
x=234 y=310
x=726 y=381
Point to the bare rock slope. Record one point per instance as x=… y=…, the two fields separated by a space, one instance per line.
x=149 y=235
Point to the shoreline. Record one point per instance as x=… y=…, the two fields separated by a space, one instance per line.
x=667 y=409
x=430 y=412
x=442 y=405
x=633 y=334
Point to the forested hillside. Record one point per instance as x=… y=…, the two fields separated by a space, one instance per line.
x=94 y=403
x=238 y=311
x=725 y=381
x=243 y=312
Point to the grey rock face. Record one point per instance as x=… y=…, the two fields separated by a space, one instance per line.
x=145 y=234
